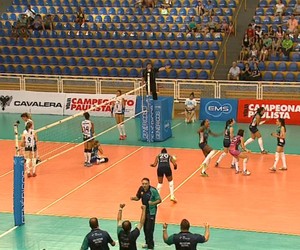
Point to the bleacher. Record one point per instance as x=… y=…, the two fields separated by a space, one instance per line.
x=278 y=68
x=117 y=41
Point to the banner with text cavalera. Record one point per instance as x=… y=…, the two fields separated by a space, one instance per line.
x=287 y=109
x=80 y=102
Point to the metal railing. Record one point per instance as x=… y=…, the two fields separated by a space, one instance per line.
x=177 y=88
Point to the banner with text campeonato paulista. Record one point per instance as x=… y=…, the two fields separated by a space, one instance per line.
x=75 y=103
x=287 y=109
x=32 y=102
x=218 y=109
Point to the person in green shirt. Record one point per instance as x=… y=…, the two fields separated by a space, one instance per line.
x=287 y=45
x=192 y=27
x=150 y=198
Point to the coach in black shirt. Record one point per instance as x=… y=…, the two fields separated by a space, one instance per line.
x=149 y=75
x=185 y=240
x=97 y=239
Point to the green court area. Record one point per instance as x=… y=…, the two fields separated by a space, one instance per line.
x=58 y=233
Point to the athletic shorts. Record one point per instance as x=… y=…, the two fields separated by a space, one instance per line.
x=226 y=143
x=280 y=142
x=161 y=171
x=253 y=129
x=86 y=138
x=30 y=149
x=189 y=110
x=235 y=153
x=205 y=148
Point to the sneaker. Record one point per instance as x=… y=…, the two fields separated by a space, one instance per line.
x=204 y=166
x=85 y=164
x=283 y=169
x=121 y=137
x=237 y=171
x=217 y=164
x=173 y=199
x=34 y=175
x=29 y=175
x=204 y=174
x=246 y=173
x=232 y=166
x=88 y=164
x=272 y=169
x=144 y=246
x=264 y=152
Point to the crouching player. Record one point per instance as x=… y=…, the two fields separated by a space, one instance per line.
x=97 y=151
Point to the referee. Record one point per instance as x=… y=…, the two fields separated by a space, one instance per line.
x=185 y=239
x=150 y=198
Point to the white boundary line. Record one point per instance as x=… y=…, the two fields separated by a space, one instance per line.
x=87 y=181
x=8 y=231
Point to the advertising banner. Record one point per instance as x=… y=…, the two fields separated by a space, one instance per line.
x=76 y=103
x=218 y=109
x=162 y=119
x=147 y=120
x=287 y=109
x=31 y=102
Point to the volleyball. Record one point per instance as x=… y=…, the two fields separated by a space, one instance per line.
x=174 y=157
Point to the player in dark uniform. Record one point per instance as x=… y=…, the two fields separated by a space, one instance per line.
x=97 y=238
x=280 y=134
x=163 y=161
x=256 y=121
x=97 y=158
x=127 y=237
x=87 y=128
x=185 y=239
x=204 y=131
x=150 y=198
x=228 y=135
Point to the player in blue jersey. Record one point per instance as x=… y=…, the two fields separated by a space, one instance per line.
x=280 y=134
x=204 y=131
x=190 y=107
x=253 y=127
x=118 y=109
x=163 y=161
x=228 y=135
x=87 y=128
x=97 y=152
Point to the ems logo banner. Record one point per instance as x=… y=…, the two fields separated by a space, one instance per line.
x=218 y=109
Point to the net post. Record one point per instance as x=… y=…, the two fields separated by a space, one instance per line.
x=18 y=184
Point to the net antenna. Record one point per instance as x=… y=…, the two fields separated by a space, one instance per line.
x=17 y=148
x=69 y=133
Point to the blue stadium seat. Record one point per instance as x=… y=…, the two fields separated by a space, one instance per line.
x=36 y=60
x=282 y=66
x=204 y=46
x=124 y=53
x=173 y=12
x=2 y=69
x=268 y=76
x=177 y=4
x=187 y=64
x=203 y=75
x=95 y=72
x=211 y=55
x=85 y=71
x=110 y=44
x=152 y=54
x=193 y=74
x=14 y=51
x=175 y=45
x=28 y=69
x=293 y=67
x=271 y=66
x=133 y=73
x=100 y=62
x=114 y=53
x=181 y=54
x=128 y=63
x=53 y=61
x=138 y=63
x=87 y=53
x=72 y=62
x=173 y=74
x=183 y=74
x=155 y=12
x=120 y=11
x=110 y=63
x=123 y=72
x=19 y=69
x=279 y=77
x=261 y=66
x=196 y=64
x=38 y=70
x=177 y=64
x=27 y=60
x=125 y=3
x=296 y=57
x=48 y=70
x=207 y=65
x=290 y=77
x=63 y=61
x=113 y=72
x=76 y=71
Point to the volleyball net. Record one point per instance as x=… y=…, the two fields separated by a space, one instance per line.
x=65 y=135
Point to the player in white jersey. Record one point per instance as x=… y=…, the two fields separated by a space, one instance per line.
x=87 y=128
x=190 y=106
x=28 y=141
x=26 y=117
x=118 y=110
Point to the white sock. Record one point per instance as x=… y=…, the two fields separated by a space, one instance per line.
x=159 y=186
x=245 y=164
x=28 y=165
x=100 y=160
x=89 y=154
x=234 y=160
x=85 y=157
x=236 y=163
x=221 y=157
x=33 y=164
x=123 y=129
x=261 y=144
x=119 y=128
x=283 y=160
x=249 y=141
x=276 y=159
x=171 y=187
x=207 y=160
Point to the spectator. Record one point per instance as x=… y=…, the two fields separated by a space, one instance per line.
x=279 y=33
x=244 y=54
x=279 y=8
x=185 y=239
x=258 y=42
x=200 y=8
x=276 y=45
x=255 y=75
x=292 y=25
x=48 y=22
x=150 y=3
x=150 y=198
x=264 y=53
x=164 y=10
x=258 y=31
x=209 y=9
x=192 y=27
x=296 y=10
x=246 y=73
x=251 y=33
x=212 y=26
x=253 y=53
x=97 y=238
x=23 y=21
x=271 y=32
x=24 y=33
x=234 y=72
x=287 y=45
x=231 y=28
x=38 y=23
x=127 y=238
x=246 y=41
x=80 y=17
x=30 y=14
x=224 y=26
x=267 y=41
